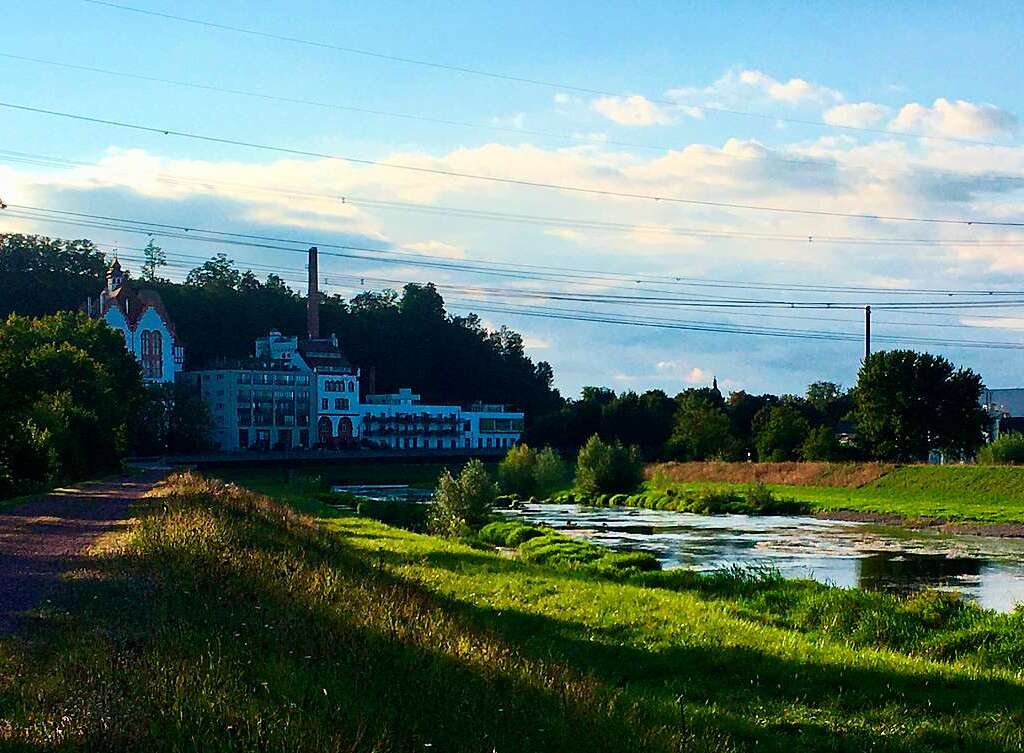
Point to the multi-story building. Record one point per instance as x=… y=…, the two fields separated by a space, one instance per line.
x=399 y=420
x=257 y=404
x=306 y=394
x=140 y=316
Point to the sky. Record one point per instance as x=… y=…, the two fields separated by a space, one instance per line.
x=823 y=110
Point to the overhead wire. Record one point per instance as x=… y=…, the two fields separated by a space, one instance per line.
x=521 y=182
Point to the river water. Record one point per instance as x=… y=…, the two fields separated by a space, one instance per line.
x=988 y=570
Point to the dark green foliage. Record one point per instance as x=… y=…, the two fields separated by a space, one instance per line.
x=701 y=430
x=407 y=338
x=1007 y=450
x=907 y=404
x=608 y=468
x=780 y=431
x=821 y=444
x=171 y=418
x=69 y=393
x=756 y=499
x=408 y=515
x=40 y=276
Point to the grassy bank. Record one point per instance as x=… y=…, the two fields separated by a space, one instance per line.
x=989 y=494
x=226 y=621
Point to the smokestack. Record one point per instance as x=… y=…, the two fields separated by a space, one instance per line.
x=313 y=298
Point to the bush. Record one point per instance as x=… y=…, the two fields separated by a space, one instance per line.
x=516 y=471
x=526 y=472
x=508 y=533
x=821 y=444
x=392 y=512
x=550 y=472
x=1007 y=450
x=462 y=502
x=608 y=468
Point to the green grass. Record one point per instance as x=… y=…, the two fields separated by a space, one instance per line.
x=990 y=494
x=226 y=621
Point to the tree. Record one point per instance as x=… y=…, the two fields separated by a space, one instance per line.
x=701 y=429
x=463 y=502
x=907 y=404
x=831 y=402
x=779 y=431
x=218 y=272
x=550 y=471
x=155 y=258
x=69 y=390
x=608 y=468
x=516 y=471
x=821 y=444
x=40 y=276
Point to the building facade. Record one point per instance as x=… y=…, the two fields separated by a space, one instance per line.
x=299 y=394
x=140 y=317
x=306 y=395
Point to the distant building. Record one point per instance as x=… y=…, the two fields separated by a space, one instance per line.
x=1006 y=408
x=140 y=316
x=297 y=394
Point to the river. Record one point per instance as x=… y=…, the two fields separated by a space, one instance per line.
x=988 y=570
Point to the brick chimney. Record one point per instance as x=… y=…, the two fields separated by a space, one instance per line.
x=313 y=298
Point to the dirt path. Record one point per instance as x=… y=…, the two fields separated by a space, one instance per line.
x=45 y=537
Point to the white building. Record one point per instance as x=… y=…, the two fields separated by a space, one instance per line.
x=305 y=394
x=140 y=316
x=400 y=421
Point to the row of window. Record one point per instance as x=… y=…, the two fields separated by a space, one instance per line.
x=340 y=385
x=152 y=342
x=261 y=439
x=340 y=403
x=265 y=378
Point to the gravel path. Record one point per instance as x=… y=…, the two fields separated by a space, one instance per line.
x=44 y=537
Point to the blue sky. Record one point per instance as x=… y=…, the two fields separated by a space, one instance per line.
x=941 y=69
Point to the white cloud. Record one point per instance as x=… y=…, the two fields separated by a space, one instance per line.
x=517 y=120
x=634 y=110
x=856 y=114
x=536 y=343
x=957 y=119
x=748 y=84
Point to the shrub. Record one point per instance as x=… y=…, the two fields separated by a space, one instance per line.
x=608 y=468
x=1007 y=450
x=525 y=471
x=461 y=502
x=508 y=533
x=821 y=444
x=516 y=471
x=550 y=471
x=408 y=515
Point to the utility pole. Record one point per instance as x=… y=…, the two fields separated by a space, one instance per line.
x=867 y=332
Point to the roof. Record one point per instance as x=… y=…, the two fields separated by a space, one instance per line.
x=133 y=304
x=323 y=354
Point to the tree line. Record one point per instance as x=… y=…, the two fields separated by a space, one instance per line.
x=904 y=406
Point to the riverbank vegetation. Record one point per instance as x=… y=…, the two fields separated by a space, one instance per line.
x=224 y=620
x=986 y=494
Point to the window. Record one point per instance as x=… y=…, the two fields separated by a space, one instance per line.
x=303 y=437
x=152 y=354
x=341 y=403
x=243 y=438
x=323 y=404
x=489 y=441
x=302 y=379
x=245 y=378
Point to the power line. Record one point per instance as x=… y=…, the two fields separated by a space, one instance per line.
x=636 y=320
x=495 y=179
x=524 y=79
x=492 y=268
x=805 y=162
x=542 y=220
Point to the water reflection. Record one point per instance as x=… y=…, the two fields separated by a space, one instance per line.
x=843 y=553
